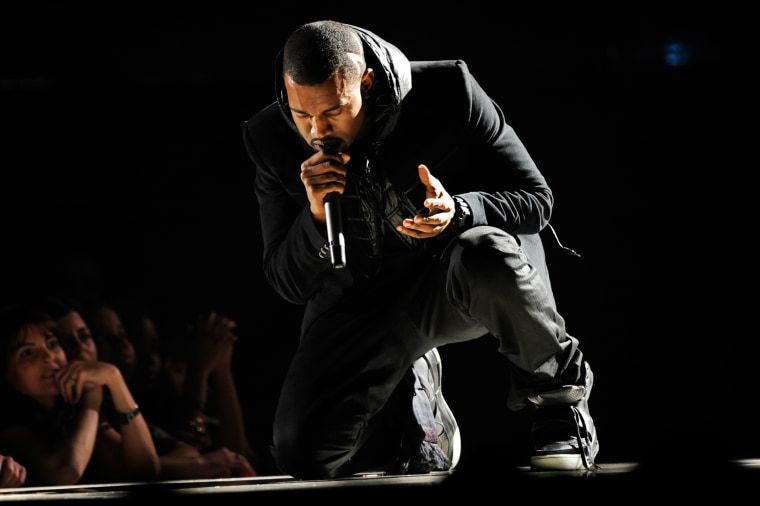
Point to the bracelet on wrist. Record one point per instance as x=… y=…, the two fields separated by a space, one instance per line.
x=127 y=416
x=197 y=425
x=195 y=432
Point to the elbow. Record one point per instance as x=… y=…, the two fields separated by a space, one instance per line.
x=291 y=290
x=68 y=475
x=545 y=209
x=148 y=469
x=151 y=469
x=155 y=468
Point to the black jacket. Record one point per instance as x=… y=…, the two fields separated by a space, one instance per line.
x=431 y=112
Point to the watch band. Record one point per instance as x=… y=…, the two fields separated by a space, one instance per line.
x=462 y=215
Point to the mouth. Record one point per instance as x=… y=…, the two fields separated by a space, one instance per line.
x=328 y=145
x=49 y=374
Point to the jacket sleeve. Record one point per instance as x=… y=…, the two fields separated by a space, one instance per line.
x=294 y=259
x=502 y=184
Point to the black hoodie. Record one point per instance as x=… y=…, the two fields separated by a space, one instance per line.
x=430 y=112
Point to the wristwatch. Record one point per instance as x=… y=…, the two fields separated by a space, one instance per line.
x=128 y=416
x=462 y=216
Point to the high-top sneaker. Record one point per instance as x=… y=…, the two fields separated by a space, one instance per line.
x=563 y=432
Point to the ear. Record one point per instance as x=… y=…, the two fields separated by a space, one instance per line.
x=368 y=79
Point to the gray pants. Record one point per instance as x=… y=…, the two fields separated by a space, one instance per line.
x=344 y=408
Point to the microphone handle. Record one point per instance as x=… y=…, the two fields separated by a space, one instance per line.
x=335 y=239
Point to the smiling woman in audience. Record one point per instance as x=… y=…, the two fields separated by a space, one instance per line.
x=54 y=427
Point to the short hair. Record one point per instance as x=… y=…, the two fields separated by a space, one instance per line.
x=319 y=50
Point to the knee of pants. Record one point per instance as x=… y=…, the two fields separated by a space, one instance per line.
x=302 y=460
x=490 y=256
x=308 y=452
x=297 y=462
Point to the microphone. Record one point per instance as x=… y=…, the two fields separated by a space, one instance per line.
x=336 y=242
x=335 y=239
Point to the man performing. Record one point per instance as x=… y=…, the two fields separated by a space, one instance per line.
x=439 y=207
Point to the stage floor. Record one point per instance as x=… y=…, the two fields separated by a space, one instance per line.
x=630 y=479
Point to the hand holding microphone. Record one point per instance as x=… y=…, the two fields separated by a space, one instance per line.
x=335 y=239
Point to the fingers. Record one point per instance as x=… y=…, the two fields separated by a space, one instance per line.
x=432 y=183
x=213 y=322
x=322 y=169
x=439 y=205
x=424 y=174
x=79 y=377
x=230 y=464
x=241 y=467
x=68 y=380
x=212 y=331
x=322 y=174
x=435 y=192
x=12 y=474
x=220 y=327
x=419 y=231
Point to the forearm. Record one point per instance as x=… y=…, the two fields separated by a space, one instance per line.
x=70 y=458
x=195 y=390
x=189 y=422
x=232 y=430
x=513 y=212
x=188 y=467
x=137 y=448
x=292 y=262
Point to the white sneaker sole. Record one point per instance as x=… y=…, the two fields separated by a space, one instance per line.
x=560 y=462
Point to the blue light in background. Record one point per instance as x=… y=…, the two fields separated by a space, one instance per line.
x=677 y=54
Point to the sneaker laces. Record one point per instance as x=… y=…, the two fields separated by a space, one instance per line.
x=583 y=443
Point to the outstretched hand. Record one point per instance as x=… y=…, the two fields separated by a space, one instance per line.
x=439 y=205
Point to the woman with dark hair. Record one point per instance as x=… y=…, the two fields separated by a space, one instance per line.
x=55 y=426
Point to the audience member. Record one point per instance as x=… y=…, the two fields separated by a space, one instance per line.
x=55 y=426
x=209 y=387
x=179 y=459
x=195 y=395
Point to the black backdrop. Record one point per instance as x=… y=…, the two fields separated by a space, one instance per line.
x=124 y=173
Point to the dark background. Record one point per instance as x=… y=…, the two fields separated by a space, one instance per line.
x=124 y=173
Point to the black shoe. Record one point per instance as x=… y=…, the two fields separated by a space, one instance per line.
x=563 y=432
x=445 y=432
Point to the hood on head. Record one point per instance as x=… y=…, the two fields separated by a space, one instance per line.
x=393 y=78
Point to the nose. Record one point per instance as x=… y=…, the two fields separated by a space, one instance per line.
x=320 y=126
x=123 y=342
x=47 y=355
